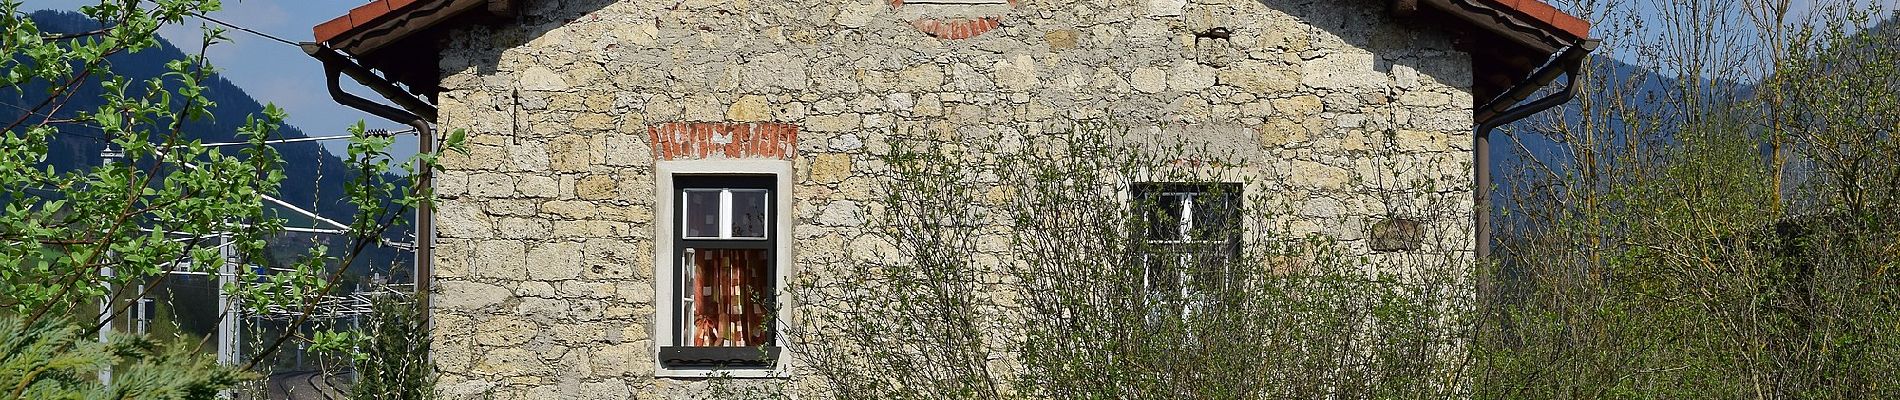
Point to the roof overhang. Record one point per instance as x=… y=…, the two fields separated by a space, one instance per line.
x=1507 y=39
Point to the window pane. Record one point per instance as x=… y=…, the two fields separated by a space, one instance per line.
x=730 y=296
x=1216 y=215
x=748 y=213
x=702 y=213
x=1164 y=216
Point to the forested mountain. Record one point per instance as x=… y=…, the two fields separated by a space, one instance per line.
x=1524 y=155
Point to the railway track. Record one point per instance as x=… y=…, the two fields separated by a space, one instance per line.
x=305 y=385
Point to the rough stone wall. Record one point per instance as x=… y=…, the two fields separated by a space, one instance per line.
x=544 y=267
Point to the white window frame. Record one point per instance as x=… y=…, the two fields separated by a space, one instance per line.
x=779 y=225
x=1184 y=228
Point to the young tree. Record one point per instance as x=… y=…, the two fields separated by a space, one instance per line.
x=69 y=238
x=1077 y=264
x=1713 y=228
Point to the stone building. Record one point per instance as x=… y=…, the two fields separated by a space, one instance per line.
x=610 y=142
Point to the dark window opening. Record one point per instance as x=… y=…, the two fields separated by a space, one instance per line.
x=725 y=275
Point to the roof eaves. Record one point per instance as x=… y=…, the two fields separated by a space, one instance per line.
x=1531 y=21
x=1550 y=25
x=386 y=18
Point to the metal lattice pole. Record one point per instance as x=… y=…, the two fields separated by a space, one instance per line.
x=107 y=157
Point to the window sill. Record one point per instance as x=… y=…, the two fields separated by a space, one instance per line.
x=706 y=362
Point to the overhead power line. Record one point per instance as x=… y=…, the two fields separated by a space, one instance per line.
x=252 y=31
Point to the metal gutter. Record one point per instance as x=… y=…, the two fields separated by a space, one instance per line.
x=415 y=113
x=1506 y=109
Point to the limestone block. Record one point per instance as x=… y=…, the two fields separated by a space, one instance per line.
x=920 y=78
x=611 y=389
x=450 y=356
x=450 y=183
x=465 y=295
x=500 y=259
x=1260 y=77
x=593 y=122
x=1187 y=76
x=478 y=157
x=832 y=123
x=841 y=213
x=1351 y=71
x=544 y=309
x=523 y=228
x=597 y=187
x=1420 y=98
x=857 y=188
x=1149 y=80
x=505 y=331
x=627 y=149
x=703 y=108
x=570 y=209
x=847 y=142
x=591 y=229
x=554 y=261
x=964 y=78
x=571 y=153
x=612 y=258
x=1165 y=8
x=830 y=168
x=1060 y=39
x=511 y=207
x=462 y=219
x=857 y=14
x=749 y=108
x=1107 y=80
x=617 y=359
x=543 y=79
x=900 y=102
x=512 y=361
x=537 y=185
x=535 y=289
x=451 y=258
x=1299 y=106
x=1017 y=73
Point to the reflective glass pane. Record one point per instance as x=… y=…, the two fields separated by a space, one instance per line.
x=1164 y=216
x=1216 y=215
x=749 y=213
x=702 y=213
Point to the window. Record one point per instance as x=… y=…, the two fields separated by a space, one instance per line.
x=724 y=273
x=1191 y=236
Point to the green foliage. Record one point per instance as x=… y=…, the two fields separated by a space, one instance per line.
x=164 y=203
x=392 y=353
x=51 y=360
x=1021 y=267
x=1728 y=239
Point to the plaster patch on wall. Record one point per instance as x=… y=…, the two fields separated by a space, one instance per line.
x=1165 y=8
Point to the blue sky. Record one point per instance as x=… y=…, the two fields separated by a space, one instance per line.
x=270 y=71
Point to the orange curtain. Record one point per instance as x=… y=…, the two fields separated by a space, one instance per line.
x=729 y=307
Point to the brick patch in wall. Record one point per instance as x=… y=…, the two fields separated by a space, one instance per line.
x=700 y=140
x=954 y=29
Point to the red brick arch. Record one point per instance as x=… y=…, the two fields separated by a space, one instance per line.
x=700 y=140
x=954 y=28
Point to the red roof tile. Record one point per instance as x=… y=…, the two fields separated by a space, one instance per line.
x=1538 y=11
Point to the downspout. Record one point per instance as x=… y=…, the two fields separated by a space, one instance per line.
x=1500 y=111
x=415 y=113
